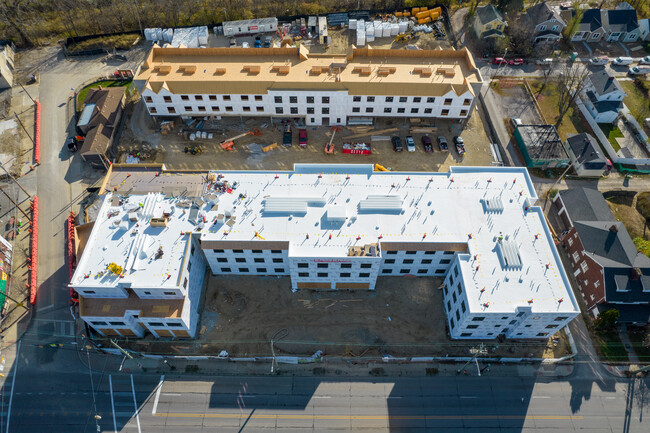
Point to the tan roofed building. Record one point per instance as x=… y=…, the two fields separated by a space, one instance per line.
x=322 y=89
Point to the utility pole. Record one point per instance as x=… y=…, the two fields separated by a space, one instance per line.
x=25 y=90
x=15 y=181
x=481 y=350
x=556 y=182
x=23 y=126
x=124 y=352
x=2 y=188
x=18 y=304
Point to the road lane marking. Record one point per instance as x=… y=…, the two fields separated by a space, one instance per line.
x=370 y=417
x=135 y=405
x=13 y=383
x=171 y=394
x=541 y=396
x=158 y=389
x=110 y=384
x=610 y=398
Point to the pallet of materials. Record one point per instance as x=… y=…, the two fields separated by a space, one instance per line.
x=357 y=148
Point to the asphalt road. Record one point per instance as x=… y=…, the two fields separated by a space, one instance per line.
x=65 y=402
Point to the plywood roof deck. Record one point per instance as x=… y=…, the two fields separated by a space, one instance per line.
x=363 y=71
x=116 y=307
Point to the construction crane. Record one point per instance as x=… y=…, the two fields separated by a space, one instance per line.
x=329 y=147
x=228 y=143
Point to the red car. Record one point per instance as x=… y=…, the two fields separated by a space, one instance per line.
x=500 y=61
x=302 y=137
x=516 y=62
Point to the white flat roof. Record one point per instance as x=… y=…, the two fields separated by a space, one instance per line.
x=473 y=205
x=122 y=234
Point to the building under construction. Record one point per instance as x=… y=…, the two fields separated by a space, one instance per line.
x=540 y=145
x=329 y=228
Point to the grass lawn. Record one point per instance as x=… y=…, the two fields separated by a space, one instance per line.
x=573 y=123
x=636 y=101
x=81 y=96
x=636 y=337
x=612 y=132
x=120 y=42
x=610 y=346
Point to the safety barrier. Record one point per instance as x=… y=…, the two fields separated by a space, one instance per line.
x=72 y=259
x=37 y=134
x=34 y=252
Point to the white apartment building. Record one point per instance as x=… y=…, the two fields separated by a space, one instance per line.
x=334 y=227
x=321 y=89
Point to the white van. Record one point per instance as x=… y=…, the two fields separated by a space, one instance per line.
x=639 y=70
x=622 y=61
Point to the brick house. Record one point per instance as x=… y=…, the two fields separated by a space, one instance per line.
x=610 y=271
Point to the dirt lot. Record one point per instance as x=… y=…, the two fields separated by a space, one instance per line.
x=169 y=149
x=515 y=101
x=623 y=206
x=402 y=317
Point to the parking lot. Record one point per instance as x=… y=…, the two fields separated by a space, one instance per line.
x=169 y=149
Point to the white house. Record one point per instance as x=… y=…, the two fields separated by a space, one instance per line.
x=603 y=96
x=327 y=227
x=322 y=90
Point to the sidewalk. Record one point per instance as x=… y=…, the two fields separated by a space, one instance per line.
x=337 y=367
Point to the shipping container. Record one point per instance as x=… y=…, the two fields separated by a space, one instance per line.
x=259 y=25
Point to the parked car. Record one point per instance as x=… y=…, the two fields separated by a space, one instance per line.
x=544 y=62
x=599 y=61
x=442 y=143
x=645 y=61
x=516 y=62
x=245 y=45
x=397 y=144
x=500 y=61
x=287 y=136
x=410 y=144
x=639 y=70
x=233 y=42
x=426 y=143
x=622 y=61
x=302 y=137
x=258 y=42
x=267 y=42
x=460 y=146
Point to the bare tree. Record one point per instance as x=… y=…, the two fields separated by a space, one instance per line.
x=12 y=11
x=570 y=82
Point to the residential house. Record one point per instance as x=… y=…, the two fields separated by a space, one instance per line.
x=547 y=23
x=99 y=122
x=6 y=65
x=603 y=96
x=619 y=24
x=585 y=154
x=644 y=25
x=489 y=23
x=610 y=271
